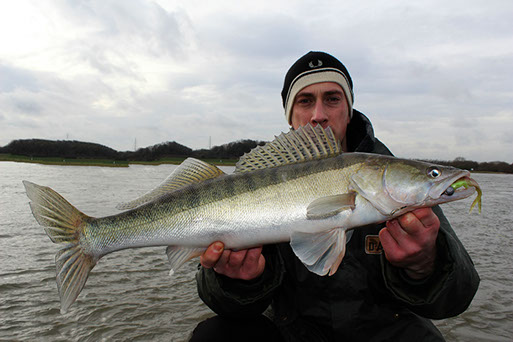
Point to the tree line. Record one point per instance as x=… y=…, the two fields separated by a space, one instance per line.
x=462 y=163
x=83 y=150
x=69 y=149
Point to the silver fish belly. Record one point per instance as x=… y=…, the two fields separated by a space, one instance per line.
x=299 y=188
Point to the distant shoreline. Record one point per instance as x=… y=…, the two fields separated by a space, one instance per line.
x=78 y=153
x=170 y=161
x=103 y=162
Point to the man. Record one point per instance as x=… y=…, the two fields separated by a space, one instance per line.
x=393 y=278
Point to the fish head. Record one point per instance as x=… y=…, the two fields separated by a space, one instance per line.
x=398 y=185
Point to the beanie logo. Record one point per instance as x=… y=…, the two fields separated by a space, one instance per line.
x=312 y=65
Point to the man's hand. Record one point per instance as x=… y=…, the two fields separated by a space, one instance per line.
x=409 y=242
x=245 y=264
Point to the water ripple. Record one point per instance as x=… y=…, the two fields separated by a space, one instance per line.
x=130 y=296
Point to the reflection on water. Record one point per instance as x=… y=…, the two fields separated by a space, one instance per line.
x=129 y=294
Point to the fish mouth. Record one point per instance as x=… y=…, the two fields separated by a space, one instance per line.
x=463 y=187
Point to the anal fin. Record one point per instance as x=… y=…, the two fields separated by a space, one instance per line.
x=178 y=256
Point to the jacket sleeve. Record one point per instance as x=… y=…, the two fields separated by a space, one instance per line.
x=449 y=290
x=239 y=298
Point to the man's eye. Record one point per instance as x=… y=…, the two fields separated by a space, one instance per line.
x=303 y=101
x=333 y=99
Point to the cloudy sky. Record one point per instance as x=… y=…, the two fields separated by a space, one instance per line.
x=434 y=77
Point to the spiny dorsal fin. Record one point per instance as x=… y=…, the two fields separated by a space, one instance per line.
x=189 y=172
x=305 y=143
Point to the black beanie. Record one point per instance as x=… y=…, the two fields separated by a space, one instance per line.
x=315 y=67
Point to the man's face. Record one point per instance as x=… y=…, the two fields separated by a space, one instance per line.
x=322 y=104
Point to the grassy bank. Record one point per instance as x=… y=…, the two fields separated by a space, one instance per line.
x=176 y=161
x=102 y=162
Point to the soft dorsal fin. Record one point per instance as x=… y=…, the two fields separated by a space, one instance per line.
x=188 y=172
x=305 y=143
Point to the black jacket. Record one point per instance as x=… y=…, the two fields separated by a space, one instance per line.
x=367 y=299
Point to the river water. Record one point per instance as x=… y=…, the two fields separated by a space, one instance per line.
x=130 y=296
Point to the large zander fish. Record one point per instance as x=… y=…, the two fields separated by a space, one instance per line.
x=298 y=188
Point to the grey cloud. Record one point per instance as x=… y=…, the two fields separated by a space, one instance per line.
x=255 y=37
x=120 y=32
x=28 y=107
x=14 y=78
x=434 y=79
x=129 y=23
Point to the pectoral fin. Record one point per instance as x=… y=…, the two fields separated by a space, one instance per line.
x=180 y=255
x=329 y=206
x=321 y=253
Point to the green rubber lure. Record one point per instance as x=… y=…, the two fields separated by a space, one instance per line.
x=469 y=183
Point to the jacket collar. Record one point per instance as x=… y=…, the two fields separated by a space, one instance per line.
x=360 y=134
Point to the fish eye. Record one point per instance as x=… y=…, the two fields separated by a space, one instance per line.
x=434 y=172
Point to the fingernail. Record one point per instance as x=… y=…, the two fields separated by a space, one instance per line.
x=218 y=247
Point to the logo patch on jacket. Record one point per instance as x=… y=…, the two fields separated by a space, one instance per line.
x=373 y=245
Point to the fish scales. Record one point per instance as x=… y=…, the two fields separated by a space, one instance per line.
x=287 y=190
x=173 y=215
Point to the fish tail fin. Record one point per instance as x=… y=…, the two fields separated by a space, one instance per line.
x=64 y=224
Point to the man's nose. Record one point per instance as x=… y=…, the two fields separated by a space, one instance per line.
x=319 y=114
